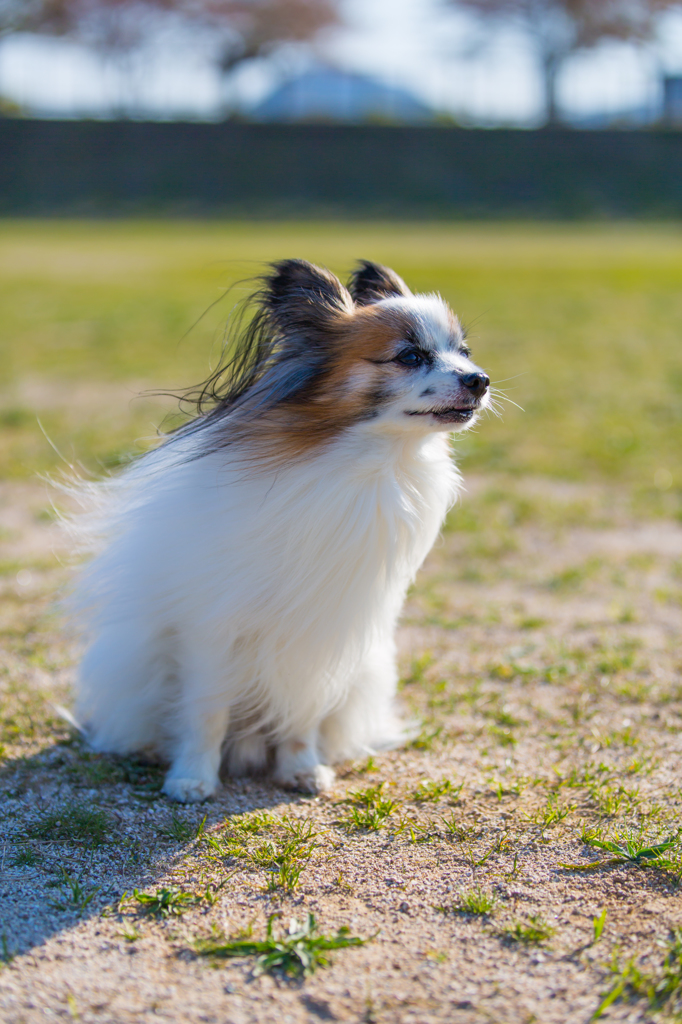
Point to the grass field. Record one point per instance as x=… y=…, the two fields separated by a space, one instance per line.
x=521 y=860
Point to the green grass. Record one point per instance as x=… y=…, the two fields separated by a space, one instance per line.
x=166 y=902
x=181 y=831
x=369 y=809
x=430 y=791
x=297 y=951
x=282 y=846
x=75 y=896
x=532 y=931
x=73 y=823
x=477 y=902
x=661 y=987
x=581 y=324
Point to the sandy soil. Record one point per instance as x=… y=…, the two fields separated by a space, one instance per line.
x=541 y=653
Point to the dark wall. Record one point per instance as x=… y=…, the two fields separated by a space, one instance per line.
x=98 y=167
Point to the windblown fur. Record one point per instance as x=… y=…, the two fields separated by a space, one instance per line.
x=249 y=572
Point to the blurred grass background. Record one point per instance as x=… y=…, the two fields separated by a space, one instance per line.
x=582 y=324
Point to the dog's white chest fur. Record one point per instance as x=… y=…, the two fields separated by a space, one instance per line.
x=259 y=608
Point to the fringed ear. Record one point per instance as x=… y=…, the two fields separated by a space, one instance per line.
x=303 y=299
x=371 y=282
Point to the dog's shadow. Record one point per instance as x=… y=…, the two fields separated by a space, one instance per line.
x=80 y=829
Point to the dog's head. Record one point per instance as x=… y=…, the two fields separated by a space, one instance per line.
x=325 y=357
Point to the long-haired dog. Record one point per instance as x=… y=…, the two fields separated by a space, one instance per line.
x=250 y=570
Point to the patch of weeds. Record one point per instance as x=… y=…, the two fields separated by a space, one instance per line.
x=552 y=813
x=459 y=830
x=27 y=857
x=414 y=831
x=635 y=850
x=478 y=860
x=476 y=901
x=532 y=622
x=74 y=823
x=27 y=713
x=297 y=951
x=77 y=897
x=166 y=902
x=573 y=577
x=286 y=859
x=612 y=662
x=281 y=845
x=430 y=791
x=369 y=810
x=499 y=790
x=506 y=670
x=182 y=831
x=662 y=987
x=504 y=736
x=93 y=769
x=633 y=691
x=129 y=932
x=532 y=931
x=233 y=840
x=610 y=799
x=427 y=738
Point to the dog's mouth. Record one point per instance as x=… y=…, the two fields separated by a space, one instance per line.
x=451 y=414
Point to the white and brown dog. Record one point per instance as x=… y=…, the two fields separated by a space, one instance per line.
x=250 y=570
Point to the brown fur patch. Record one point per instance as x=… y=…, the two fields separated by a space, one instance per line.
x=348 y=391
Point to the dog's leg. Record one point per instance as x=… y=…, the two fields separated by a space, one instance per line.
x=366 y=721
x=201 y=720
x=297 y=765
x=247 y=755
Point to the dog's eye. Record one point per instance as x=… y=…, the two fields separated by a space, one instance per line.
x=410 y=358
x=464 y=351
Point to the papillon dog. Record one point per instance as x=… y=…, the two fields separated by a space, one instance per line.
x=249 y=571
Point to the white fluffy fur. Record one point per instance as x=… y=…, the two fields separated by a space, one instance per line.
x=236 y=611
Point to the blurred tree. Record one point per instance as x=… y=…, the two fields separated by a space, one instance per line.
x=244 y=30
x=104 y=24
x=254 y=28
x=560 y=28
x=239 y=30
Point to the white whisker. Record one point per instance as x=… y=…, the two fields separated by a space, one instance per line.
x=509 y=378
x=505 y=398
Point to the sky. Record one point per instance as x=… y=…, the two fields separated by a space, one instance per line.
x=439 y=56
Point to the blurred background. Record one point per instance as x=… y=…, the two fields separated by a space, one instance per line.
x=524 y=157
x=591 y=63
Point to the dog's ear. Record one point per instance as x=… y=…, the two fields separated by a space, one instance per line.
x=303 y=298
x=371 y=282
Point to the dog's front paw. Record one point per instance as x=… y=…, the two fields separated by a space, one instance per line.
x=318 y=779
x=189 y=791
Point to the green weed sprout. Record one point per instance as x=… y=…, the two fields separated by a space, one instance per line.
x=166 y=902
x=532 y=931
x=79 y=898
x=598 y=926
x=299 y=951
x=477 y=901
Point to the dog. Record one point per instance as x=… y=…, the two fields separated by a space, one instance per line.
x=249 y=571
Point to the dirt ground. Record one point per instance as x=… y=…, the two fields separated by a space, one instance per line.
x=540 y=654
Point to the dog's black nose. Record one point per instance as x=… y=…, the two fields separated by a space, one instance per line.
x=477 y=383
